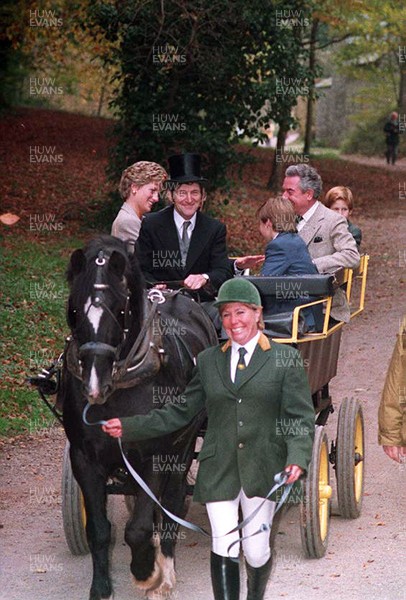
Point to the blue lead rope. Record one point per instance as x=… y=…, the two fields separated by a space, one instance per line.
x=280 y=480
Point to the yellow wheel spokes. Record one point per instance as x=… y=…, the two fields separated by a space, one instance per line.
x=324 y=492
x=83 y=510
x=358 y=457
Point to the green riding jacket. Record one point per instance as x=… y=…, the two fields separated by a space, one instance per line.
x=254 y=429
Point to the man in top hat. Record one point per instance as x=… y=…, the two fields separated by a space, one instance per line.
x=180 y=243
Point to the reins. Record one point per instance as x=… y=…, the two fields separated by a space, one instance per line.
x=280 y=480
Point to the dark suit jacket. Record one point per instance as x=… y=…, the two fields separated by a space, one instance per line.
x=255 y=429
x=287 y=254
x=159 y=254
x=356 y=233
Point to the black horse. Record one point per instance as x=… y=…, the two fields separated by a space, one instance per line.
x=128 y=355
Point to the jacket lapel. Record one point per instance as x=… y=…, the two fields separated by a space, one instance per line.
x=197 y=242
x=258 y=359
x=223 y=366
x=168 y=234
x=309 y=230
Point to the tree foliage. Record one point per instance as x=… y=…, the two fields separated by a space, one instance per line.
x=198 y=75
x=376 y=54
x=55 y=41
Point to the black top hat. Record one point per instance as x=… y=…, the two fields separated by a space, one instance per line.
x=185 y=168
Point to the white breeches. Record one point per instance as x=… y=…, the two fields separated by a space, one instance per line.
x=224 y=517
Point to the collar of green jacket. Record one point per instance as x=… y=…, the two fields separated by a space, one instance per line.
x=263 y=343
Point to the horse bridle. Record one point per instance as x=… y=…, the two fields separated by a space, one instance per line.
x=136 y=359
x=98 y=301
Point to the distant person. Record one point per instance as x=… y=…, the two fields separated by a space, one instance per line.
x=139 y=187
x=340 y=199
x=391 y=129
x=325 y=233
x=392 y=409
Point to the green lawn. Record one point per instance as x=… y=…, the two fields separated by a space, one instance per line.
x=32 y=313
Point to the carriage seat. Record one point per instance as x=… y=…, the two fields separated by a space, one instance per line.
x=278 y=291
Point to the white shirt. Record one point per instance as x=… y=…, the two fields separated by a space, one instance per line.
x=179 y=223
x=235 y=356
x=307 y=216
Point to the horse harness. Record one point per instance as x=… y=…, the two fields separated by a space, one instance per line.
x=146 y=355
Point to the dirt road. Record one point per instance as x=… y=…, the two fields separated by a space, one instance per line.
x=365 y=558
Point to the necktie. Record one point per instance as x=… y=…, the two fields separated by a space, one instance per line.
x=185 y=237
x=184 y=246
x=240 y=365
x=299 y=218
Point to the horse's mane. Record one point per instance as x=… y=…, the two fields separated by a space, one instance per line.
x=81 y=284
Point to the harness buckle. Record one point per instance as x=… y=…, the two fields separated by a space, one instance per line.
x=157 y=296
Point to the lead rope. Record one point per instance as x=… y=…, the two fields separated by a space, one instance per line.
x=280 y=480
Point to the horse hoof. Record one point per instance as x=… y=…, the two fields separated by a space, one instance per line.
x=168 y=579
x=161 y=593
x=153 y=581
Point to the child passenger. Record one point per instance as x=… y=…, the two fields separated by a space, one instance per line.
x=340 y=200
x=285 y=253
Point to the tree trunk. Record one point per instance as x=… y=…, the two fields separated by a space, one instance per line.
x=101 y=101
x=275 y=179
x=402 y=91
x=311 y=99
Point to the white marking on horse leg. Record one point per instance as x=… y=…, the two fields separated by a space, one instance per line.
x=168 y=575
x=93 y=313
x=154 y=580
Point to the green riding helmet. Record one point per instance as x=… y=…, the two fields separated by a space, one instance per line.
x=238 y=289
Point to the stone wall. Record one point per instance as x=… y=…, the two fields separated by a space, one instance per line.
x=333 y=110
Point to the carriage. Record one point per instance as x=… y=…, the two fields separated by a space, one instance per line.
x=320 y=352
x=320 y=356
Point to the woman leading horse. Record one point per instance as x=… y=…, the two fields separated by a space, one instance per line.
x=260 y=422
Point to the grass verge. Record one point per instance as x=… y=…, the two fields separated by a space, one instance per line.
x=32 y=313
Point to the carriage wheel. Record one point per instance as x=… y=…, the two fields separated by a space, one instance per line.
x=350 y=453
x=315 y=508
x=73 y=509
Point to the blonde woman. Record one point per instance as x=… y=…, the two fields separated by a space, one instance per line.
x=139 y=187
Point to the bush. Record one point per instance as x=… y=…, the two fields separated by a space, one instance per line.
x=368 y=138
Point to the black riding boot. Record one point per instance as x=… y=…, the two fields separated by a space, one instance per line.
x=225 y=577
x=257 y=580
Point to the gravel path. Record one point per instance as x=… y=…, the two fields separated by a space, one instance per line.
x=365 y=557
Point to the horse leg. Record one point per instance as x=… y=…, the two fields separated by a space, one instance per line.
x=92 y=482
x=140 y=536
x=173 y=499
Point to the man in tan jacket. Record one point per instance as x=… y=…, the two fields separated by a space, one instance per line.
x=392 y=409
x=324 y=231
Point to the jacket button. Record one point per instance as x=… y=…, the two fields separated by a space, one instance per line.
x=241 y=445
x=239 y=400
x=240 y=423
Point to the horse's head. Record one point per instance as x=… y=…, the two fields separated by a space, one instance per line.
x=101 y=310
